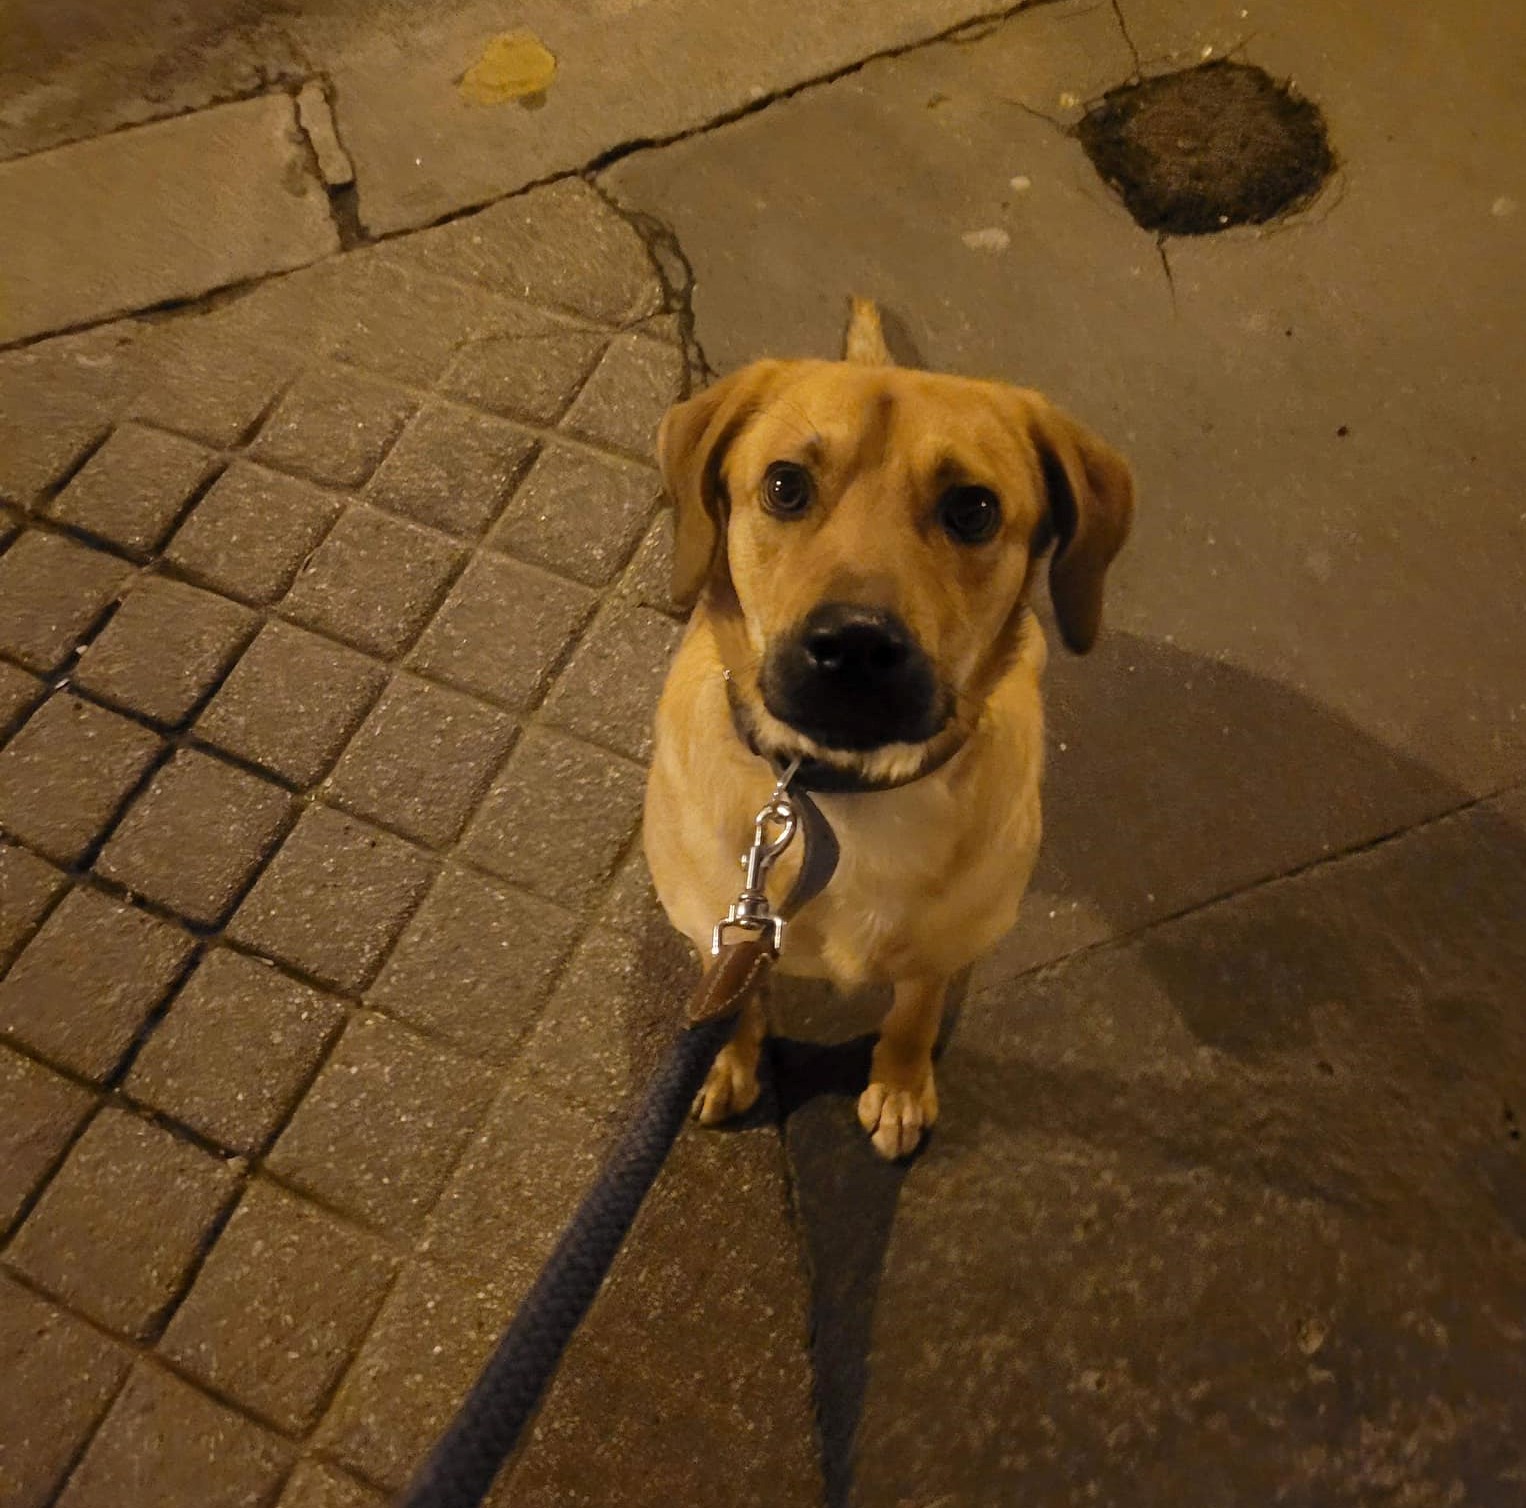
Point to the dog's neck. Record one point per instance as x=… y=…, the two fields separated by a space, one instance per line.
x=822 y=778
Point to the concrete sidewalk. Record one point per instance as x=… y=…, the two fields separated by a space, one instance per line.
x=332 y=611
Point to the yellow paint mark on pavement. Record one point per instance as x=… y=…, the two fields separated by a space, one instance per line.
x=512 y=66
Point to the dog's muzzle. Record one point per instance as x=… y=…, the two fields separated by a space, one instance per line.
x=853 y=677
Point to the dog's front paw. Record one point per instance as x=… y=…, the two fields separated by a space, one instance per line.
x=895 y=1117
x=731 y=1088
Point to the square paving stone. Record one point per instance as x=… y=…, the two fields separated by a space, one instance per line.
x=516 y=1188
x=558 y=818
x=164 y=649
x=333 y=898
x=39 y=1112
x=279 y=1307
x=20 y=691
x=579 y=514
x=560 y=246
x=28 y=886
x=452 y=469
x=476 y=964
x=316 y=1484
x=63 y=776
x=59 y=1376
x=649 y=580
x=632 y=904
x=250 y=535
x=613 y=1015
x=240 y=1043
x=53 y=591
x=135 y=487
x=363 y=310
x=532 y=371
x=428 y=1344
x=117 y=1230
x=44 y=434
x=193 y=840
x=374 y=581
x=292 y=702
x=399 y=325
x=208 y=387
x=503 y=629
x=631 y=389
x=89 y=979
x=383 y=1124
x=421 y=760
x=333 y=427
x=166 y=1445
x=609 y=690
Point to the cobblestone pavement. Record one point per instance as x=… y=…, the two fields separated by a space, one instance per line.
x=330 y=624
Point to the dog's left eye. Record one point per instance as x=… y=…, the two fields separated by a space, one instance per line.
x=787 y=488
x=970 y=514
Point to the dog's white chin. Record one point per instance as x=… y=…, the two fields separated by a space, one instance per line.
x=890 y=764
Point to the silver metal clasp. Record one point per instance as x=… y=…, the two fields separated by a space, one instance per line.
x=773 y=830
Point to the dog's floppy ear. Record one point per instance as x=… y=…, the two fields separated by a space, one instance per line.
x=1091 y=503
x=691 y=445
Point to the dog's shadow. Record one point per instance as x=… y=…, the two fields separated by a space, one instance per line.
x=1208 y=777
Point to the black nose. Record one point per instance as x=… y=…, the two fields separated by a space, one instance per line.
x=853 y=677
x=863 y=644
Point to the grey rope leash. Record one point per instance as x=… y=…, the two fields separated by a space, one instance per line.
x=460 y=1469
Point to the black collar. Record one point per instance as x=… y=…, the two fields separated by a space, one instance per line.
x=825 y=779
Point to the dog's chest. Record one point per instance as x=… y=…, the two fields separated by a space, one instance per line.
x=917 y=884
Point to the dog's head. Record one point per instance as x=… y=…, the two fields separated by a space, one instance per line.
x=865 y=537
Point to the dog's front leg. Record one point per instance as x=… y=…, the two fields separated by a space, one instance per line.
x=732 y=1085
x=901 y=1101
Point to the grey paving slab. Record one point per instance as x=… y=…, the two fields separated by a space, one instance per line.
x=1289 y=669
x=194 y=203
x=624 y=73
x=1228 y=1212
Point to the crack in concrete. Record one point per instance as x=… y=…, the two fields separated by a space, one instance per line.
x=1165 y=266
x=674 y=271
x=351 y=225
x=1128 y=40
x=971 y=29
x=343 y=200
x=1051 y=967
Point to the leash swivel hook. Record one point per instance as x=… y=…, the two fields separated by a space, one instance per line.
x=773 y=830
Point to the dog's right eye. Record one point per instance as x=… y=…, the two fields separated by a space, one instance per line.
x=787 y=488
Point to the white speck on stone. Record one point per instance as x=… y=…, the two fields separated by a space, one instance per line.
x=991 y=238
x=1022 y=183
x=1503 y=207
x=1069 y=101
x=1208 y=50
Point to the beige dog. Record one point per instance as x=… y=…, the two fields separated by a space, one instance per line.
x=860 y=541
